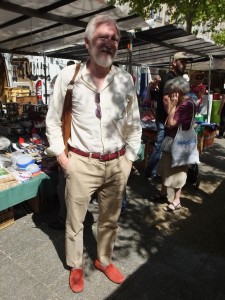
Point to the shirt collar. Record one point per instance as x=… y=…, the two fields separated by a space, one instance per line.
x=85 y=76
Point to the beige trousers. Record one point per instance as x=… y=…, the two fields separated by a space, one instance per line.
x=84 y=176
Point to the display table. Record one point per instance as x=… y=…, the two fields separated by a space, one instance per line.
x=41 y=185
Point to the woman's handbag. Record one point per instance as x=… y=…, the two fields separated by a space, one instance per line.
x=167 y=141
x=166 y=144
x=67 y=110
x=184 y=149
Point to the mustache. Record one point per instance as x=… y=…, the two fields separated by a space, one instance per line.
x=108 y=50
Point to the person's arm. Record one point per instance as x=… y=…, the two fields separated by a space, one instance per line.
x=147 y=97
x=166 y=96
x=133 y=130
x=172 y=106
x=166 y=103
x=53 y=119
x=53 y=124
x=54 y=115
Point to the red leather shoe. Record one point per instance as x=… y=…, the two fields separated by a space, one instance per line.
x=110 y=271
x=76 y=280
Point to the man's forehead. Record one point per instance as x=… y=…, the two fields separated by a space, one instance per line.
x=106 y=27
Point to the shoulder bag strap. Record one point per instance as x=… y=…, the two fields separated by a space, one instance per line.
x=75 y=74
x=67 y=110
x=193 y=114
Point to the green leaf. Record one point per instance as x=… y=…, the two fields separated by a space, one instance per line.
x=209 y=13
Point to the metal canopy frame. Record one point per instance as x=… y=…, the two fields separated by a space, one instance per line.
x=30 y=27
x=154 y=47
x=55 y=28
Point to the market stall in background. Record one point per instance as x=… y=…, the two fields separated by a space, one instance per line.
x=36 y=45
x=30 y=32
x=206 y=89
x=26 y=173
x=26 y=89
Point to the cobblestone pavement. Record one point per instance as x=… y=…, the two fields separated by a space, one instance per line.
x=179 y=255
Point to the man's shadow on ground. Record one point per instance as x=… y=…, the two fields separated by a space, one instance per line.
x=41 y=220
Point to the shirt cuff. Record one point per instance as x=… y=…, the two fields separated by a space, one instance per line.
x=54 y=151
x=130 y=156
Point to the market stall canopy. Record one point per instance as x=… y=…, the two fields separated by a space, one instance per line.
x=156 y=47
x=37 y=27
x=56 y=28
x=213 y=64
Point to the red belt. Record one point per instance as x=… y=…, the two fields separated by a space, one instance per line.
x=101 y=157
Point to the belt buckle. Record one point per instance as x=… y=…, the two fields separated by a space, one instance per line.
x=104 y=157
x=101 y=157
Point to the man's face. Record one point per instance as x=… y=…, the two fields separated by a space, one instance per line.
x=180 y=66
x=104 y=44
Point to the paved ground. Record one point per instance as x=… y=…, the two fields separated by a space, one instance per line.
x=173 y=256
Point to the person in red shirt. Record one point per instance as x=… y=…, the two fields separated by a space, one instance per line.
x=152 y=92
x=199 y=89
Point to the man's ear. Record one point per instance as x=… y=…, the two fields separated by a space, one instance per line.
x=174 y=63
x=86 y=43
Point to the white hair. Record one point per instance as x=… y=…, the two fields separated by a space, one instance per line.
x=99 y=19
x=178 y=84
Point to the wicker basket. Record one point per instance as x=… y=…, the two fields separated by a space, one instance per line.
x=6 y=217
x=208 y=139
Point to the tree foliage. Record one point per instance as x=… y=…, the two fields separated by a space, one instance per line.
x=189 y=12
x=219 y=38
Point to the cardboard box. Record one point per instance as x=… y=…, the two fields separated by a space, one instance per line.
x=25 y=100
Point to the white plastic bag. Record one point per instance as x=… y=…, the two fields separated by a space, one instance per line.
x=184 y=149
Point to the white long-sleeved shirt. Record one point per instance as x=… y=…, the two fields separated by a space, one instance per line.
x=119 y=125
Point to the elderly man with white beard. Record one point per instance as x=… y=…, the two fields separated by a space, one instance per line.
x=105 y=139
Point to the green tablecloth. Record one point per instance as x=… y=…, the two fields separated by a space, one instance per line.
x=41 y=185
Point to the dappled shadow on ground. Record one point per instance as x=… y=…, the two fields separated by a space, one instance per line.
x=57 y=237
x=214 y=156
x=177 y=255
x=184 y=251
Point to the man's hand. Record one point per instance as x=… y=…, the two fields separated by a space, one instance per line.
x=62 y=160
x=131 y=163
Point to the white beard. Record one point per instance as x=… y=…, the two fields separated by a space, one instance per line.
x=104 y=61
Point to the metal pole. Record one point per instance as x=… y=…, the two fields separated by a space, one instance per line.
x=130 y=49
x=45 y=78
x=209 y=87
x=130 y=57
